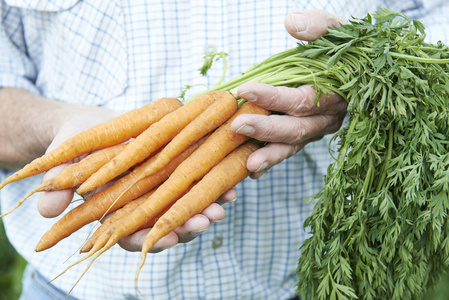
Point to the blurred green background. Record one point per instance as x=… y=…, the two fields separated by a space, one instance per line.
x=12 y=266
x=11 y=269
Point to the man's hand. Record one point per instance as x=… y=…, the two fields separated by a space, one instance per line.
x=303 y=121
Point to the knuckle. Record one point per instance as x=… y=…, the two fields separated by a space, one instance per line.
x=269 y=135
x=335 y=124
x=300 y=132
x=275 y=99
x=303 y=103
x=292 y=101
x=266 y=130
x=284 y=151
x=283 y=129
x=335 y=20
x=294 y=149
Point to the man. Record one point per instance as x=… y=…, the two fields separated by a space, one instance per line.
x=68 y=65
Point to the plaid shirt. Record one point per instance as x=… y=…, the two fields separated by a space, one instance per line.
x=123 y=54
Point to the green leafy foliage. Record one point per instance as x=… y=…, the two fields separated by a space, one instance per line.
x=380 y=227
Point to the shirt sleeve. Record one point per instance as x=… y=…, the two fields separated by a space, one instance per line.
x=16 y=67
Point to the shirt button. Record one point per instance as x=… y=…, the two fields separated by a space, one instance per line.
x=217 y=242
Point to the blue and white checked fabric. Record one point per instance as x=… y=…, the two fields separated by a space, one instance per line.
x=123 y=54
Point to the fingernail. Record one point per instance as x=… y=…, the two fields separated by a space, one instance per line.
x=221 y=202
x=157 y=250
x=263 y=167
x=196 y=233
x=245 y=130
x=248 y=96
x=301 y=22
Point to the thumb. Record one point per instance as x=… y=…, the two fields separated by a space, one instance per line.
x=310 y=25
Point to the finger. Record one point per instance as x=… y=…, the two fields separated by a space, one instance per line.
x=214 y=213
x=134 y=241
x=193 y=227
x=273 y=153
x=227 y=197
x=200 y=223
x=298 y=102
x=310 y=25
x=52 y=204
x=284 y=128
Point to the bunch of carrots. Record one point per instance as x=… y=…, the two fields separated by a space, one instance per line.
x=175 y=153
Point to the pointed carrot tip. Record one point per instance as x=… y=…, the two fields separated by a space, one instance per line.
x=5 y=182
x=40 y=245
x=44 y=243
x=18 y=203
x=86 y=248
x=142 y=262
x=39 y=248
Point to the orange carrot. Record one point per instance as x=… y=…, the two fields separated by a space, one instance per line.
x=74 y=174
x=219 y=144
x=224 y=176
x=113 y=132
x=155 y=137
x=108 y=200
x=212 y=117
x=116 y=217
x=109 y=225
